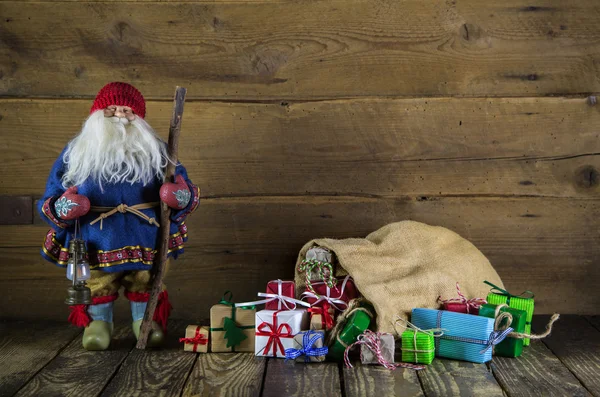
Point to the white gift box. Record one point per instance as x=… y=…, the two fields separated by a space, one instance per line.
x=275 y=330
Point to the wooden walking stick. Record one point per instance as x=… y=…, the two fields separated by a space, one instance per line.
x=165 y=222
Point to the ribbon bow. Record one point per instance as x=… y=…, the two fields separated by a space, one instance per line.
x=334 y=302
x=275 y=333
x=282 y=300
x=307 y=349
x=495 y=338
x=499 y=291
x=324 y=270
x=471 y=304
x=198 y=339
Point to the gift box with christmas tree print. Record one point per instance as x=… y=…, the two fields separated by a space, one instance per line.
x=231 y=328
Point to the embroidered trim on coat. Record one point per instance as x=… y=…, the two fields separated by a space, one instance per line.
x=128 y=254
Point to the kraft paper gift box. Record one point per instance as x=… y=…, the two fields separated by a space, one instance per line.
x=322 y=318
x=337 y=297
x=357 y=323
x=308 y=347
x=388 y=348
x=418 y=346
x=466 y=337
x=509 y=347
x=323 y=255
x=229 y=324
x=275 y=330
x=196 y=339
x=498 y=296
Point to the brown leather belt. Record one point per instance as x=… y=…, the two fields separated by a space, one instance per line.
x=123 y=208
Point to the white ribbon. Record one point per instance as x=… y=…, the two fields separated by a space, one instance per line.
x=289 y=303
x=327 y=297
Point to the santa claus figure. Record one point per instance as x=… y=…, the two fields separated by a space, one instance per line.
x=110 y=178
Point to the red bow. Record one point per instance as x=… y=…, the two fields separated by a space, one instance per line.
x=266 y=329
x=325 y=312
x=198 y=339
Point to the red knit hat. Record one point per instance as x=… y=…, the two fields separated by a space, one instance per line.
x=120 y=94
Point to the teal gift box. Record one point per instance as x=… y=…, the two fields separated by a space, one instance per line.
x=465 y=336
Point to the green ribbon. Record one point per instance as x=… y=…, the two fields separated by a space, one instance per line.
x=227 y=300
x=499 y=291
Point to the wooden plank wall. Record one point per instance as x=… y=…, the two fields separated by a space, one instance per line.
x=323 y=118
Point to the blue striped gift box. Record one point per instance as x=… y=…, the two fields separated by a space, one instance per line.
x=465 y=335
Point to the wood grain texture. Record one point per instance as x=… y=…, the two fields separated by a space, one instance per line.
x=226 y=374
x=77 y=372
x=26 y=347
x=288 y=378
x=577 y=345
x=536 y=373
x=388 y=148
x=16 y=210
x=445 y=377
x=545 y=245
x=595 y=321
x=377 y=381
x=154 y=371
x=308 y=49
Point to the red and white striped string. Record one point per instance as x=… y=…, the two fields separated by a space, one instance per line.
x=373 y=341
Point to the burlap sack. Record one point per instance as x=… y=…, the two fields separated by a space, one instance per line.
x=408 y=264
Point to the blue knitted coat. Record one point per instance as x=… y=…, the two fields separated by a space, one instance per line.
x=126 y=241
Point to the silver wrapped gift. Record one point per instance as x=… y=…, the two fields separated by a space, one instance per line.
x=387 y=345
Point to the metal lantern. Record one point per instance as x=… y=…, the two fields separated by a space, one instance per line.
x=78 y=270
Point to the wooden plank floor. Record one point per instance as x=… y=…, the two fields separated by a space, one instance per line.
x=46 y=359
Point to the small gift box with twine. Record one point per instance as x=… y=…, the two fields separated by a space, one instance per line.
x=377 y=348
x=466 y=337
x=308 y=347
x=275 y=330
x=524 y=301
x=506 y=317
x=196 y=339
x=231 y=328
x=462 y=304
x=418 y=345
x=318 y=264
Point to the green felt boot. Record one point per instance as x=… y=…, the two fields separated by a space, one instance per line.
x=156 y=338
x=97 y=335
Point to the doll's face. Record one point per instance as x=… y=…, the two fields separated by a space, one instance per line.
x=119 y=111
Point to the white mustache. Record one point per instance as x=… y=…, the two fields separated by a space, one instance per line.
x=118 y=120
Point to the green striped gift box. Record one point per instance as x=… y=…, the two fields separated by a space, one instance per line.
x=417 y=347
x=498 y=296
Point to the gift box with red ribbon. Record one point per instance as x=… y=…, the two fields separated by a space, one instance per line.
x=280 y=295
x=275 y=331
x=337 y=297
x=196 y=339
x=322 y=318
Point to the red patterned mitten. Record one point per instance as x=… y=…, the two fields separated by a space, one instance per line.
x=176 y=195
x=71 y=205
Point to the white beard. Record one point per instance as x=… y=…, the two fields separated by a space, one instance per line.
x=114 y=150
